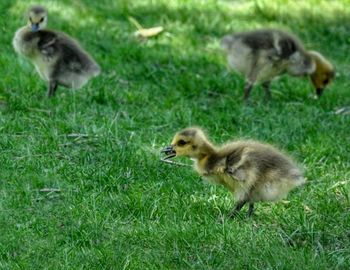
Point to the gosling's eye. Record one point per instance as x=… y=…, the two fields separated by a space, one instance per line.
x=42 y=19
x=326 y=81
x=30 y=18
x=181 y=143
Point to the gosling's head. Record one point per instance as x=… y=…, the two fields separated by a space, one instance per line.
x=37 y=18
x=190 y=142
x=323 y=74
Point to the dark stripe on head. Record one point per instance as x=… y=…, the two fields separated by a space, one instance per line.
x=188 y=132
x=37 y=9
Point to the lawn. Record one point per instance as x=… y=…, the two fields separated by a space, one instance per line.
x=118 y=206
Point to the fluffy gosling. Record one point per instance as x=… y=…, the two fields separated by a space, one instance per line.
x=264 y=54
x=58 y=58
x=251 y=170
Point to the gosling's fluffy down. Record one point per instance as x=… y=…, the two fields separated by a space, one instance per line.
x=58 y=58
x=264 y=54
x=251 y=170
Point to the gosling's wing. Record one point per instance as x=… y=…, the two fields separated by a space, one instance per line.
x=287 y=45
x=48 y=43
x=258 y=40
x=236 y=165
x=277 y=44
x=74 y=57
x=71 y=56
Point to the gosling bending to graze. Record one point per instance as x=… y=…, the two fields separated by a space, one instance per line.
x=264 y=54
x=251 y=170
x=58 y=58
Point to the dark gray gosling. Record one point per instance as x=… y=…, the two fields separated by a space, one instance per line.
x=58 y=58
x=264 y=54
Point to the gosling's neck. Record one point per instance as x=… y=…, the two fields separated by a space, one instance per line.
x=22 y=32
x=27 y=28
x=207 y=151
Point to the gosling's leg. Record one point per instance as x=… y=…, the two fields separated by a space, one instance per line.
x=247 y=89
x=250 y=210
x=252 y=76
x=266 y=87
x=51 y=88
x=234 y=212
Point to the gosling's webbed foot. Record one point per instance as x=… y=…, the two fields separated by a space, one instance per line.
x=250 y=210
x=236 y=210
x=52 y=89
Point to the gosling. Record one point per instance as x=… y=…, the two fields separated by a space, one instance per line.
x=264 y=54
x=58 y=58
x=251 y=170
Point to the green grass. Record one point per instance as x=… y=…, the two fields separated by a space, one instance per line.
x=119 y=206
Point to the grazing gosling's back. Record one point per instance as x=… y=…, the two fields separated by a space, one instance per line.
x=264 y=54
x=251 y=170
x=58 y=58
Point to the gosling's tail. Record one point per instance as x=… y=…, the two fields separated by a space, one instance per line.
x=298 y=177
x=227 y=41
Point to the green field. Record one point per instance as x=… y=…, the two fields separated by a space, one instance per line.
x=119 y=207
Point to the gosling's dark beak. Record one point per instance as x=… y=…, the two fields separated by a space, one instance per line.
x=169 y=151
x=35 y=27
x=319 y=92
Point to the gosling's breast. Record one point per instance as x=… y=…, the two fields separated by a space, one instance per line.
x=209 y=177
x=270 y=71
x=239 y=189
x=18 y=42
x=43 y=65
x=213 y=179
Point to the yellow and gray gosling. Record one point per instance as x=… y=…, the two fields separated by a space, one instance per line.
x=58 y=58
x=264 y=54
x=251 y=170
